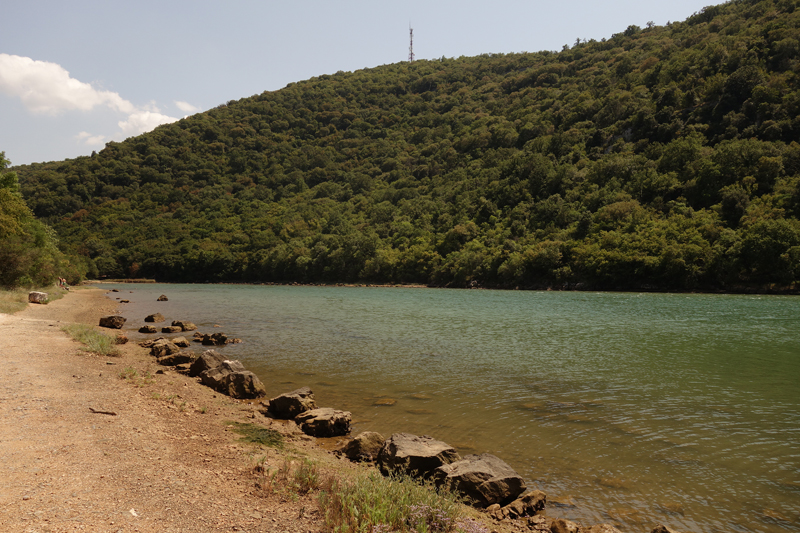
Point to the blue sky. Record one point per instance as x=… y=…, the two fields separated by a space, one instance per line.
x=75 y=75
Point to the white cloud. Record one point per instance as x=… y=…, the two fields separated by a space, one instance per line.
x=47 y=88
x=186 y=107
x=88 y=139
x=143 y=121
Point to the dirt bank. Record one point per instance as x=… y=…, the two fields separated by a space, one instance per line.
x=164 y=461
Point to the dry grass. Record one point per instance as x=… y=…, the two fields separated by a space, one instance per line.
x=15 y=300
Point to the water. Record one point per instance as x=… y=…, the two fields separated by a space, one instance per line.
x=635 y=409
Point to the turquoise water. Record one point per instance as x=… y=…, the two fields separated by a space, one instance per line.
x=635 y=409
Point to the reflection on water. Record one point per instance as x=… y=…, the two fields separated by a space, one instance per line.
x=636 y=409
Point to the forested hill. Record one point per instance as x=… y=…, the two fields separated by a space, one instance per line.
x=662 y=157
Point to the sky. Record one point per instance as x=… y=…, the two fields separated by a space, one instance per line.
x=76 y=75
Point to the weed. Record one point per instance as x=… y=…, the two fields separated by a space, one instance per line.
x=295 y=476
x=257 y=434
x=203 y=410
x=377 y=504
x=131 y=375
x=94 y=341
x=14 y=300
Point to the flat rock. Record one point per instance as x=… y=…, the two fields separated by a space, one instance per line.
x=148 y=329
x=171 y=329
x=113 y=322
x=291 y=404
x=485 y=479
x=180 y=342
x=417 y=456
x=365 y=447
x=324 y=422
x=157 y=317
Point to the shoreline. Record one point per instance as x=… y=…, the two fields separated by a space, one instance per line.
x=83 y=450
x=792 y=290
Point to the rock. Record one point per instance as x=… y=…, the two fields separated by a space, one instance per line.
x=158 y=317
x=324 y=422
x=36 y=297
x=180 y=342
x=243 y=385
x=185 y=326
x=213 y=376
x=215 y=339
x=528 y=504
x=162 y=347
x=148 y=329
x=121 y=338
x=658 y=529
x=162 y=298
x=113 y=322
x=179 y=358
x=485 y=479
x=124 y=301
x=207 y=360
x=171 y=329
x=364 y=447
x=114 y=290
x=291 y=404
x=414 y=455
x=564 y=526
x=151 y=342
x=539 y=523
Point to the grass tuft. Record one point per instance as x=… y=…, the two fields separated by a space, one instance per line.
x=373 y=503
x=94 y=341
x=257 y=434
x=15 y=300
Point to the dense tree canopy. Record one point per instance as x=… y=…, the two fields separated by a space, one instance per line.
x=662 y=157
x=28 y=252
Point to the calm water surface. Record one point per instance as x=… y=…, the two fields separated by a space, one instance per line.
x=636 y=409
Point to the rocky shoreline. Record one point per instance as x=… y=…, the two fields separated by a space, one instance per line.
x=484 y=480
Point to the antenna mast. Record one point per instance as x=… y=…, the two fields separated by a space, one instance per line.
x=411 y=43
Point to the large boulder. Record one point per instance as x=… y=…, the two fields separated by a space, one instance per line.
x=364 y=447
x=157 y=317
x=184 y=325
x=242 y=385
x=36 y=297
x=162 y=347
x=291 y=404
x=485 y=479
x=175 y=359
x=324 y=422
x=206 y=361
x=113 y=322
x=414 y=455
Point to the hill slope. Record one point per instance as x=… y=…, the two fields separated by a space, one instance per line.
x=661 y=157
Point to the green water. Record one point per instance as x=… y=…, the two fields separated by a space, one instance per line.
x=635 y=409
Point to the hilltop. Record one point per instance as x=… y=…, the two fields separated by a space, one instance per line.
x=662 y=157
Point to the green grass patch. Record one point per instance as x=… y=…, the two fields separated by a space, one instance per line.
x=257 y=434
x=93 y=341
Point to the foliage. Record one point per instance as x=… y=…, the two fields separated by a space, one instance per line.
x=29 y=255
x=294 y=476
x=94 y=341
x=372 y=503
x=662 y=157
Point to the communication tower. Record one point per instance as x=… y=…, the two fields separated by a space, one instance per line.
x=411 y=43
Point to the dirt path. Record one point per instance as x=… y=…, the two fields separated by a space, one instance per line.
x=165 y=461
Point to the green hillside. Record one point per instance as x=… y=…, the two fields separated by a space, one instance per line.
x=663 y=157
